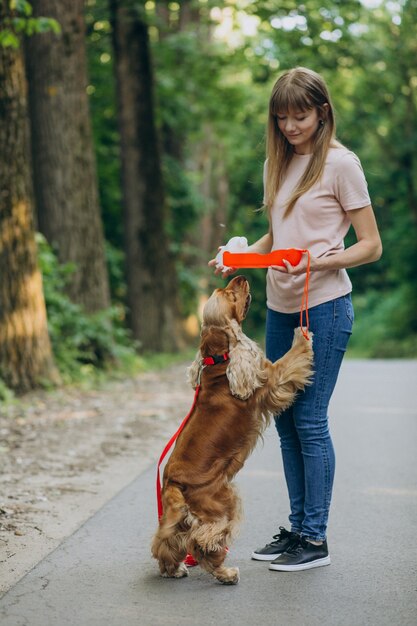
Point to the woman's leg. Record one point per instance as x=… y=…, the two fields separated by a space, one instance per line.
x=293 y=463
x=331 y=324
x=279 y=336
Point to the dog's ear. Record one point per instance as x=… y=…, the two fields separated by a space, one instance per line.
x=194 y=370
x=245 y=371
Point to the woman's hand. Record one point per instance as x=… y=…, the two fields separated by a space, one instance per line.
x=219 y=270
x=262 y=246
x=296 y=270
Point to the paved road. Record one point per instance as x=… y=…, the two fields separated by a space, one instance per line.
x=103 y=575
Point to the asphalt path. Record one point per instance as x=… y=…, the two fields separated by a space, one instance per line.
x=103 y=575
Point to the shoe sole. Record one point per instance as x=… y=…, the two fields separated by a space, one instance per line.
x=302 y=566
x=265 y=557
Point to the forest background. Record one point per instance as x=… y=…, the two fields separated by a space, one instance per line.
x=132 y=140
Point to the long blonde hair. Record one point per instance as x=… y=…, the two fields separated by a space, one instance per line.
x=299 y=89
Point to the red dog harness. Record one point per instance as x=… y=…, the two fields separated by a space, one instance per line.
x=216 y=358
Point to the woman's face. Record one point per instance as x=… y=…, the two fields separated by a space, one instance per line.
x=299 y=128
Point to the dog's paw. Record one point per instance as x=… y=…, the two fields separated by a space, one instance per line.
x=300 y=339
x=229 y=576
x=180 y=572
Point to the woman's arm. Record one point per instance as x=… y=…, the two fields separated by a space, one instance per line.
x=367 y=249
x=263 y=245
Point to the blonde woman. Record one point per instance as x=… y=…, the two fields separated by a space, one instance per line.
x=314 y=189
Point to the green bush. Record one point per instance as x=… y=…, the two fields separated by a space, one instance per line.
x=384 y=324
x=82 y=343
x=6 y=394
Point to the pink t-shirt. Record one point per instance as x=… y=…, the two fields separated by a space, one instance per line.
x=319 y=221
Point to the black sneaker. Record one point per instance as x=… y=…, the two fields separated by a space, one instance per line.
x=282 y=541
x=301 y=555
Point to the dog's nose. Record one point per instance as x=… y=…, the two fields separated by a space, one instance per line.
x=239 y=282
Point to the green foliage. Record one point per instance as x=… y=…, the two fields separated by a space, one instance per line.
x=185 y=207
x=82 y=344
x=6 y=394
x=22 y=23
x=115 y=259
x=102 y=94
x=381 y=327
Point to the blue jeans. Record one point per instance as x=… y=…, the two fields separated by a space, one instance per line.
x=306 y=446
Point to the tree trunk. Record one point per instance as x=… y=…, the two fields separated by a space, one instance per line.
x=64 y=165
x=151 y=275
x=163 y=21
x=189 y=14
x=210 y=231
x=25 y=350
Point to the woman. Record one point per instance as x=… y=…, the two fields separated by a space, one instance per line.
x=314 y=189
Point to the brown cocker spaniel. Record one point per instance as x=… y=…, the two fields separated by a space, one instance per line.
x=201 y=509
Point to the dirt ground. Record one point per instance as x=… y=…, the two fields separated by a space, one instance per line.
x=64 y=454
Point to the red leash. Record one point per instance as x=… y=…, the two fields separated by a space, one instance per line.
x=189 y=559
x=304 y=300
x=167 y=449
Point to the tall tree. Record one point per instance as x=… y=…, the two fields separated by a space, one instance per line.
x=174 y=27
x=63 y=158
x=25 y=351
x=151 y=275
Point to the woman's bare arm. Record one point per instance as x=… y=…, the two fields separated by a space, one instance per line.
x=367 y=249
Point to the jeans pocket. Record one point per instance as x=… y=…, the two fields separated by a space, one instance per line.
x=350 y=314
